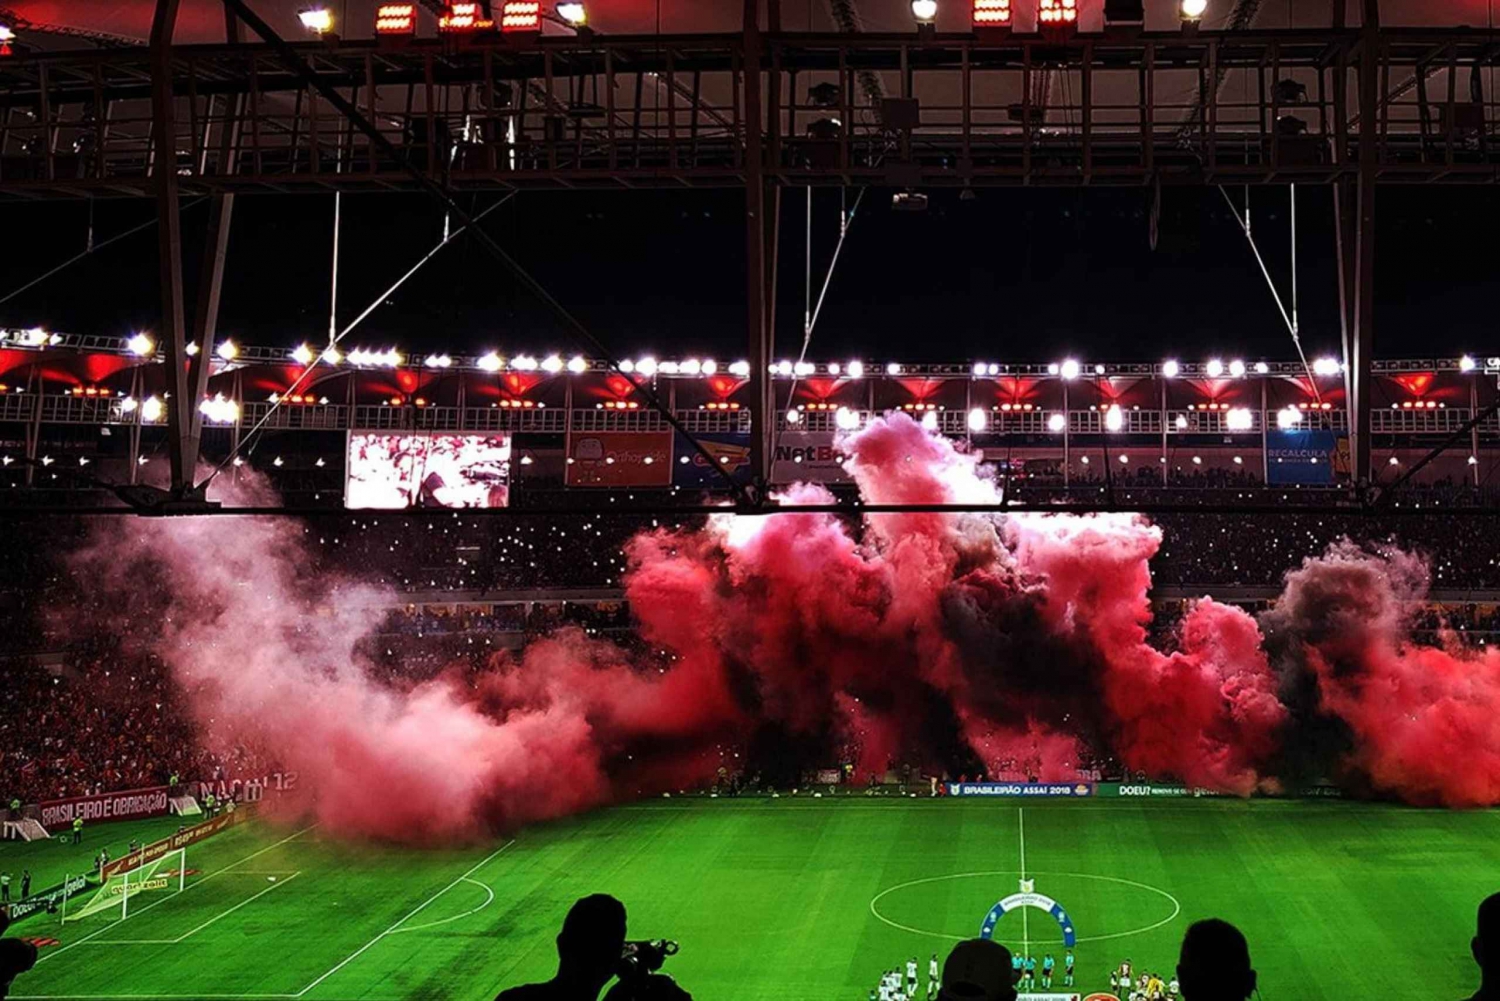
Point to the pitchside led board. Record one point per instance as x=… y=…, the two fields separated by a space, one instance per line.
x=392 y=471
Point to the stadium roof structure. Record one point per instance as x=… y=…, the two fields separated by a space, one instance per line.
x=845 y=92
x=202 y=21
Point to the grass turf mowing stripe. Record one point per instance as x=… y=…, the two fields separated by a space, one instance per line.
x=417 y=910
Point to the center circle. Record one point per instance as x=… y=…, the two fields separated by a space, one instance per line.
x=1116 y=881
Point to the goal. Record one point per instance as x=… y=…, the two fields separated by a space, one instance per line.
x=123 y=892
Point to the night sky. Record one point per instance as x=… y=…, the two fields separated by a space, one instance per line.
x=1011 y=275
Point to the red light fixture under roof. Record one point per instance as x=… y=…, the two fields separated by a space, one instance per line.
x=1057 y=13
x=992 y=13
x=396 y=19
x=465 y=17
x=521 y=15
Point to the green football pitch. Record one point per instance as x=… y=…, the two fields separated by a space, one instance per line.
x=786 y=899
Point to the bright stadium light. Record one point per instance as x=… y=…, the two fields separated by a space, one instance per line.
x=1114 y=418
x=1466 y=364
x=490 y=362
x=978 y=420
x=980 y=368
x=1214 y=368
x=1288 y=418
x=140 y=344
x=227 y=350
x=930 y=421
x=924 y=11
x=710 y=366
x=151 y=409
x=332 y=356
x=1057 y=423
x=438 y=361
x=523 y=363
x=1239 y=419
x=794 y=416
x=552 y=364
x=893 y=368
x=1170 y=368
x=803 y=368
x=302 y=355
x=318 y=20
x=846 y=419
x=574 y=13
x=219 y=410
x=690 y=367
x=578 y=365
x=1237 y=369
x=1325 y=366
x=856 y=369
x=1069 y=369
x=740 y=368
x=1181 y=422
x=1192 y=11
x=647 y=366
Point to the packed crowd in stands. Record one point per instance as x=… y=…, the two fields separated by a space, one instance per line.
x=108 y=722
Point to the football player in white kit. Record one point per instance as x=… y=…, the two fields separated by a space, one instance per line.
x=932 y=977
x=911 y=977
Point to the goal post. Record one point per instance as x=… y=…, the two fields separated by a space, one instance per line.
x=162 y=876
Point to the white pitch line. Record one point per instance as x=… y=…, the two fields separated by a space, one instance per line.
x=417 y=910
x=148 y=997
x=216 y=872
x=1025 y=919
x=236 y=907
x=488 y=900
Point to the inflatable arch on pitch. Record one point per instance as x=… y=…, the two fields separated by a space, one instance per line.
x=1041 y=902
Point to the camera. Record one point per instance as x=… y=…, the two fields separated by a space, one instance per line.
x=640 y=959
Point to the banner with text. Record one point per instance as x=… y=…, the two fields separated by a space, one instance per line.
x=44 y=899
x=1301 y=457
x=729 y=449
x=133 y=804
x=619 y=459
x=1020 y=789
x=808 y=457
x=183 y=838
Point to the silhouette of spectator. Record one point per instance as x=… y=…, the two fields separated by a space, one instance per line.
x=1215 y=963
x=16 y=957
x=1486 y=949
x=978 y=969
x=589 y=950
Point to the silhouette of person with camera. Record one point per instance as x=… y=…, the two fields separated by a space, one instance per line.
x=1486 y=949
x=591 y=950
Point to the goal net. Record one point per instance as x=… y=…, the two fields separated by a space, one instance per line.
x=129 y=890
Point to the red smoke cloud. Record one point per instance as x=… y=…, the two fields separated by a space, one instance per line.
x=1424 y=720
x=1013 y=646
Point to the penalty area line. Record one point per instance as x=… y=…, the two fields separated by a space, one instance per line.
x=242 y=903
x=413 y=913
x=200 y=882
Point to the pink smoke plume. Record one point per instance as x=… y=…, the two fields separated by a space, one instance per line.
x=1014 y=646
